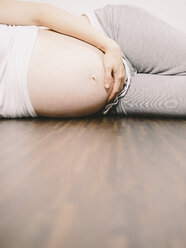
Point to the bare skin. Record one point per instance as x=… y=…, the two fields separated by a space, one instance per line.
x=65 y=76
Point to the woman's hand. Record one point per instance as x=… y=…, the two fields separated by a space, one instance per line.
x=115 y=76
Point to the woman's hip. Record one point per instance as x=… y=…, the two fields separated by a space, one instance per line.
x=149 y=43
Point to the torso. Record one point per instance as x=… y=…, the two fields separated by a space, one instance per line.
x=59 y=60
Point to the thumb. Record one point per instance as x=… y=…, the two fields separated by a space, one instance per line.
x=108 y=77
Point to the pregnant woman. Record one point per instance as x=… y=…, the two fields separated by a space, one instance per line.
x=118 y=59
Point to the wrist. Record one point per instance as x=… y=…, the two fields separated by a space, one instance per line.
x=112 y=45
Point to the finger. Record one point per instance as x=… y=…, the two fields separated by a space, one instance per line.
x=116 y=89
x=123 y=76
x=108 y=77
x=123 y=81
x=119 y=78
x=119 y=82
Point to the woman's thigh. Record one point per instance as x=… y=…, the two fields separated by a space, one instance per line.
x=157 y=95
x=150 y=44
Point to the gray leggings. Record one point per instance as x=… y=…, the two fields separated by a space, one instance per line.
x=157 y=51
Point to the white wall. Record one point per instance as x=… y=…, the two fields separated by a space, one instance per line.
x=172 y=11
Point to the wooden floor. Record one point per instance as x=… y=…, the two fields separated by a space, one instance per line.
x=99 y=182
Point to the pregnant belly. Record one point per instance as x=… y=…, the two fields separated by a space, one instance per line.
x=64 y=75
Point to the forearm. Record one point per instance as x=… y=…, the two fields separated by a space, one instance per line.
x=72 y=25
x=41 y=14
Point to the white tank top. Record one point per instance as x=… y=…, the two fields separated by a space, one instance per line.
x=16 y=44
x=5 y=48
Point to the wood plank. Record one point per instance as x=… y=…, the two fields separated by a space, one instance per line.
x=93 y=182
